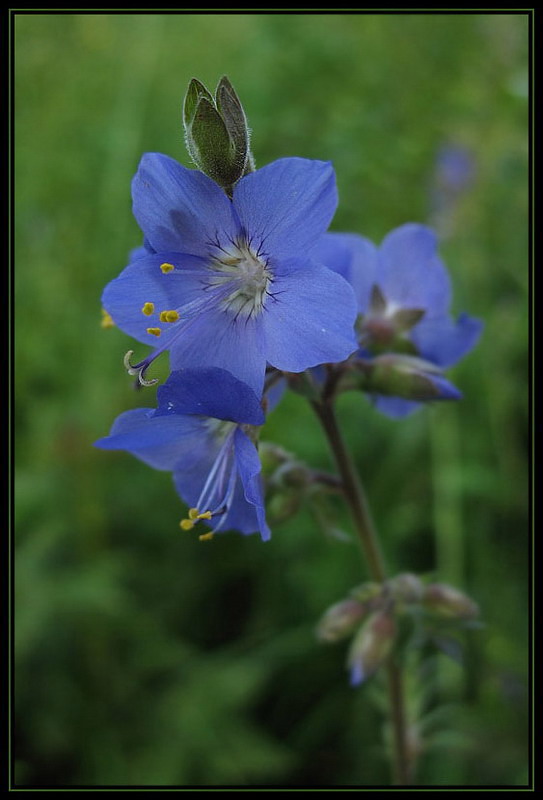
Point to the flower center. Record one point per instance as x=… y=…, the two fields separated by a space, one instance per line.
x=249 y=274
x=386 y=326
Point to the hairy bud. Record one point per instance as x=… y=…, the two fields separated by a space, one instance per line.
x=340 y=620
x=371 y=646
x=216 y=132
x=446 y=601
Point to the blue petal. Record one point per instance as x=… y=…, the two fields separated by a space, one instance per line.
x=274 y=394
x=162 y=442
x=179 y=209
x=137 y=252
x=354 y=258
x=444 y=341
x=394 y=407
x=241 y=516
x=210 y=392
x=356 y=672
x=287 y=205
x=143 y=282
x=215 y=339
x=411 y=274
x=140 y=252
x=190 y=476
x=248 y=464
x=309 y=318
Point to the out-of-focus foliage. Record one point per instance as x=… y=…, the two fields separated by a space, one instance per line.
x=144 y=657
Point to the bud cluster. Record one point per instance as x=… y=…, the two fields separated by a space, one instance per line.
x=371 y=612
x=289 y=481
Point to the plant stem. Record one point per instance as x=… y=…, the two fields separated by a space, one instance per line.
x=367 y=534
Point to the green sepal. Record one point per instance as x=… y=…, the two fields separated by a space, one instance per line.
x=195 y=90
x=216 y=133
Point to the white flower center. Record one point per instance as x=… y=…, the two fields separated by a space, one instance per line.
x=249 y=275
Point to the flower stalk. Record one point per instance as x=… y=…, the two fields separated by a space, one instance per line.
x=355 y=496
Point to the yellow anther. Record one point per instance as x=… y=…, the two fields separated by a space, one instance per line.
x=154 y=331
x=206 y=537
x=169 y=316
x=204 y=515
x=167 y=268
x=186 y=524
x=106 y=321
x=148 y=309
x=193 y=513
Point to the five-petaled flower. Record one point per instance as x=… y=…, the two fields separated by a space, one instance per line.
x=204 y=431
x=403 y=295
x=230 y=283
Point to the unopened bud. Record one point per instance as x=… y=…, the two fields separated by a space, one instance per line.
x=303 y=383
x=283 y=504
x=367 y=592
x=371 y=646
x=446 y=601
x=406 y=588
x=408 y=377
x=216 y=132
x=272 y=456
x=340 y=620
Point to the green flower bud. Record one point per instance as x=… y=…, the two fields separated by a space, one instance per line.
x=272 y=456
x=406 y=588
x=340 y=620
x=283 y=504
x=371 y=646
x=216 y=132
x=446 y=601
x=367 y=592
x=402 y=376
x=303 y=383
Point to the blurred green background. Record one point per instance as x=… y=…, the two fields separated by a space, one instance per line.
x=144 y=657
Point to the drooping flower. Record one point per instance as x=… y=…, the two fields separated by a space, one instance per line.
x=229 y=283
x=204 y=431
x=403 y=294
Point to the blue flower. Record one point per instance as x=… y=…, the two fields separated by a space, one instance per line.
x=229 y=283
x=403 y=293
x=204 y=431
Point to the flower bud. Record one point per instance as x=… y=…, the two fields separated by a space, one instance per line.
x=367 y=592
x=371 y=646
x=303 y=383
x=283 y=504
x=272 y=456
x=397 y=375
x=406 y=588
x=402 y=376
x=216 y=132
x=446 y=601
x=340 y=620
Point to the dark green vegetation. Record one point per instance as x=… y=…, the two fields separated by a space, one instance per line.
x=144 y=657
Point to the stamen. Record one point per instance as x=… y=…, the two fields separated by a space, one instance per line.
x=154 y=331
x=247 y=275
x=167 y=268
x=186 y=524
x=106 y=321
x=169 y=316
x=206 y=537
x=148 y=309
x=195 y=515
